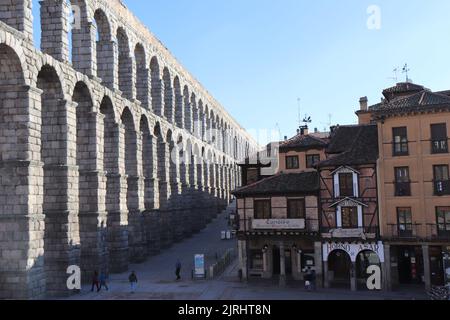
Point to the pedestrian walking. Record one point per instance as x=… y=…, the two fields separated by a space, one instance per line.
x=308 y=280
x=178 y=269
x=95 y=282
x=103 y=279
x=133 y=281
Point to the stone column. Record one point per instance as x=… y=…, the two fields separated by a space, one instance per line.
x=116 y=203
x=22 y=273
x=55 y=28
x=92 y=185
x=83 y=44
x=137 y=235
x=353 y=277
x=426 y=266
x=282 y=265
x=107 y=63
x=18 y=15
x=318 y=260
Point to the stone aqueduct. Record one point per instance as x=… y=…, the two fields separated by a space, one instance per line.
x=107 y=156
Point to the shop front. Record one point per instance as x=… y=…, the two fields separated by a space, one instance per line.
x=347 y=265
x=285 y=258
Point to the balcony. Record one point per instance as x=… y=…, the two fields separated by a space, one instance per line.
x=442 y=188
x=438 y=232
x=439 y=146
x=350 y=233
x=409 y=232
x=403 y=189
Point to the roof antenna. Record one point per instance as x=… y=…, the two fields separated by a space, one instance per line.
x=299 y=115
x=406 y=70
x=395 y=75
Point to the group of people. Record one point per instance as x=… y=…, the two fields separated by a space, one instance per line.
x=100 y=281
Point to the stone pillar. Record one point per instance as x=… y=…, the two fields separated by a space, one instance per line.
x=18 y=15
x=282 y=265
x=84 y=34
x=55 y=28
x=116 y=204
x=353 y=277
x=62 y=239
x=92 y=186
x=243 y=259
x=22 y=273
x=107 y=63
x=326 y=276
x=319 y=265
x=426 y=266
x=164 y=194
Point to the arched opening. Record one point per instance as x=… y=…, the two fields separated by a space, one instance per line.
x=195 y=117
x=162 y=165
x=125 y=64
x=168 y=96
x=187 y=110
x=92 y=232
x=11 y=80
x=339 y=268
x=156 y=85
x=147 y=163
x=104 y=49
x=364 y=260
x=142 y=80
x=201 y=120
x=13 y=146
x=130 y=160
x=179 y=112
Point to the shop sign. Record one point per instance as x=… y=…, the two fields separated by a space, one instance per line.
x=199 y=266
x=278 y=224
x=353 y=249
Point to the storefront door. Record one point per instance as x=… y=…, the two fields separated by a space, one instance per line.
x=437 y=266
x=410 y=265
x=276 y=261
x=339 y=266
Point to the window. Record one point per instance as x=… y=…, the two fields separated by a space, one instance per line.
x=441 y=180
x=400 y=141
x=402 y=182
x=296 y=209
x=405 y=225
x=443 y=220
x=349 y=217
x=262 y=209
x=312 y=160
x=346 y=184
x=439 y=139
x=292 y=162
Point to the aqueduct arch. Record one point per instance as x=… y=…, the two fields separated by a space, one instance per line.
x=104 y=146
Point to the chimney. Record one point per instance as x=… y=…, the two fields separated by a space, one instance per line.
x=285 y=138
x=298 y=131
x=316 y=130
x=363 y=102
x=304 y=130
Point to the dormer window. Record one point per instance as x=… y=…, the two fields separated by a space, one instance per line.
x=292 y=162
x=346 y=183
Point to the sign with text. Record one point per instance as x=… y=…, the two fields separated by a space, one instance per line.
x=274 y=224
x=353 y=249
x=199 y=266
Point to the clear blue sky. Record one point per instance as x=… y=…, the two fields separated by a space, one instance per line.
x=258 y=56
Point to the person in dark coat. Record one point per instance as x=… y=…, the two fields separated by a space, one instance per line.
x=133 y=281
x=178 y=269
x=103 y=279
x=95 y=282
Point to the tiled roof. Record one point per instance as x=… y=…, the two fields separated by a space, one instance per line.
x=421 y=100
x=282 y=183
x=403 y=87
x=354 y=145
x=304 y=141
